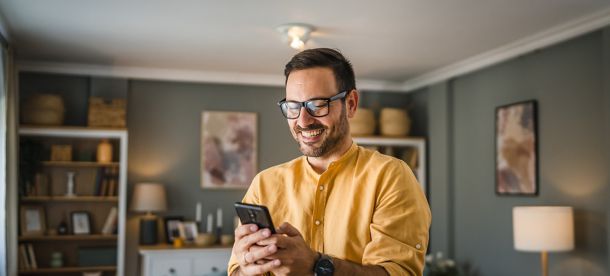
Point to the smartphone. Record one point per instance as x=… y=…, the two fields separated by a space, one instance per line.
x=254 y=214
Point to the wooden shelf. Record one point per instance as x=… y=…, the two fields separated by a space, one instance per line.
x=69 y=199
x=73 y=132
x=98 y=237
x=389 y=141
x=67 y=270
x=79 y=164
x=70 y=127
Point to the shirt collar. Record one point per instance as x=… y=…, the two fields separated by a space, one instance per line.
x=353 y=149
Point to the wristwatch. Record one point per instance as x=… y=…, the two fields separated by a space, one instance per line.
x=324 y=266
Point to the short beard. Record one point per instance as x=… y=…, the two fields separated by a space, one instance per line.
x=331 y=142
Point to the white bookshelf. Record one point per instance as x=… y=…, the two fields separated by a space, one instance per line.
x=416 y=142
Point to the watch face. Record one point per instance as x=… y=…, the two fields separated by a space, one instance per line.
x=325 y=267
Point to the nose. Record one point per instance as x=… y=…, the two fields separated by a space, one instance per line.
x=305 y=118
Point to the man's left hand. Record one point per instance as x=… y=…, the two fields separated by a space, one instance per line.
x=296 y=258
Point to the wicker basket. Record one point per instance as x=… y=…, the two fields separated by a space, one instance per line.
x=43 y=109
x=363 y=123
x=106 y=113
x=394 y=122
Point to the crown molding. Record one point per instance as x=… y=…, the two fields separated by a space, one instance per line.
x=180 y=75
x=537 y=41
x=151 y=73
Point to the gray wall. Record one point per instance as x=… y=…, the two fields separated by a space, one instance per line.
x=568 y=82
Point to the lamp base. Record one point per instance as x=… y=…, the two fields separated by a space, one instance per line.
x=544 y=263
x=148 y=231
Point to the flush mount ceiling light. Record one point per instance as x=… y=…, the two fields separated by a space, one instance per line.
x=296 y=35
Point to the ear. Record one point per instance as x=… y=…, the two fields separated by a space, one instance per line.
x=351 y=103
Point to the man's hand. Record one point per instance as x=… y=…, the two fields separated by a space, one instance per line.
x=293 y=253
x=252 y=258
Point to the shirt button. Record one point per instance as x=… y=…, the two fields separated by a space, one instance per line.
x=418 y=246
x=318 y=222
x=322 y=188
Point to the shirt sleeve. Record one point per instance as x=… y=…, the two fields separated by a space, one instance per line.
x=400 y=223
x=252 y=198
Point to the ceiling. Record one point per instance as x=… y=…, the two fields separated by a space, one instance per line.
x=389 y=42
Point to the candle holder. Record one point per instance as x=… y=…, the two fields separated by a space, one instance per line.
x=70 y=184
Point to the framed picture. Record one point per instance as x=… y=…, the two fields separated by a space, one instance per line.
x=517 y=149
x=188 y=231
x=32 y=220
x=228 y=149
x=81 y=223
x=172 y=228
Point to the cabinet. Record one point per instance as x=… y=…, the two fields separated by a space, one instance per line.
x=98 y=189
x=412 y=150
x=164 y=260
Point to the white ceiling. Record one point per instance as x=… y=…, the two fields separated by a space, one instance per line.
x=387 y=41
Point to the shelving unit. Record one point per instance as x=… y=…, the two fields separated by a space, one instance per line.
x=63 y=270
x=68 y=238
x=57 y=205
x=418 y=143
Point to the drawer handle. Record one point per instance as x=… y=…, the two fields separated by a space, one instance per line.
x=172 y=271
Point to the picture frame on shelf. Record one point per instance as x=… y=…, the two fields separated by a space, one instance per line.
x=33 y=220
x=81 y=223
x=517 y=149
x=228 y=149
x=172 y=228
x=188 y=231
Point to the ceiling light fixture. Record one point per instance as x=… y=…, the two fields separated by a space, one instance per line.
x=296 y=34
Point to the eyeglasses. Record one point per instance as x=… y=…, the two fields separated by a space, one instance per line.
x=317 y=107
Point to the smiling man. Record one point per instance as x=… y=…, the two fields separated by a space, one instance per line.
x=343 y=209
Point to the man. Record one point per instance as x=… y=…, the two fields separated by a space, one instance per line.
x=345 y=210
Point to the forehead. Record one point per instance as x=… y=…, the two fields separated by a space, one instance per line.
x=311 y=83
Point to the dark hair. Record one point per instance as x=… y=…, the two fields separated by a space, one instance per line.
x=328 y=58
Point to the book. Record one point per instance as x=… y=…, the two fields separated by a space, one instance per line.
x=110 y=223
x=104 y=189
x=111 y=187
x=32 y=256
x=23 y=257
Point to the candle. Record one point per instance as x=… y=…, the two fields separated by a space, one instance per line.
x=198 y=212
x=219 y=218
x=209 y=228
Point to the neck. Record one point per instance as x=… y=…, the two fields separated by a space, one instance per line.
x=320 y=164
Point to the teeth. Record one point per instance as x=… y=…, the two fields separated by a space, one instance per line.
x=311 y=133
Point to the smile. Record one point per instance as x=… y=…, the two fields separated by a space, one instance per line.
x=311 y=133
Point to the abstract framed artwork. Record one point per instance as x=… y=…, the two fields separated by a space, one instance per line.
x=517 y=149
x=228 y=149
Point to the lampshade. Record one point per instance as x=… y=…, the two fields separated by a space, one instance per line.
x=149 y=197
x=543 y=228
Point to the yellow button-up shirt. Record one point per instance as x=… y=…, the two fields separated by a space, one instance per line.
x=367 y=208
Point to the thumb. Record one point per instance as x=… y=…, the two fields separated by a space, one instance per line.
x=289 y=230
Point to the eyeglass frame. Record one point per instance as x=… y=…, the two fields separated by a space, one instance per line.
x=339 y=96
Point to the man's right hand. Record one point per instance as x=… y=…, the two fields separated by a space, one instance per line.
x=249 y=255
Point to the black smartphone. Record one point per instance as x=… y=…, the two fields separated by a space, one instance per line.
x=254 y=214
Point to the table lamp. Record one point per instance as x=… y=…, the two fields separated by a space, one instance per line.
x=148 y=197
x=543 y=229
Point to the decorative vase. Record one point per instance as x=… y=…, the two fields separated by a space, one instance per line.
x=104 y=152
x=70 y=184
x=56 y=259
x=62 y=228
